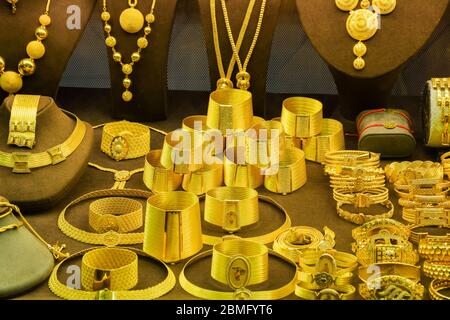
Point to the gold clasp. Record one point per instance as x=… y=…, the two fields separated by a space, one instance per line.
x=57 y=155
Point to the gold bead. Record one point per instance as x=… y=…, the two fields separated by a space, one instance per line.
x=110 y=41
x=2 y=64
x=27 y=67
x=35 y=49
x=359 y=63
x=127 y=69
x=107 y=28
x=150 y=18
x=131 y=20
x=127 y=83
x=41 y=33
x=127 y=96
x=142 y=42
x=135 y=56
x=11 y=82
x=360 y=49
x=147 y=30
x=117 y=56
x=106 y=16
x=45 y=20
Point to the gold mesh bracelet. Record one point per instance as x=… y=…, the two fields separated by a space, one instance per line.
x=22 y=122
x=302 y=117
x=156 y=177
x=154 y=292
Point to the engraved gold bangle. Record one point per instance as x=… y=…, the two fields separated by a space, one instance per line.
x=374 y=226
x=293 y=241
x=154 y=292
x=425 y=201
x=109 y=268
x=173 y=230
x=302 y=117
x=445 y=160
x=351 y=158
x=427 y=215
x=409 y=271
x=117 y=213
x=437 y=270
x=356 y=178
x=407 y=170
x=237 y=173
x=23 y=162
x=110 y=237
x=204 y=179
x=125 y=140
x=391 y=287
x=435 y=249
x=438 y=285
x=264 y=239
x=156 y=177
x=231 y=207
x=416 y=237
x=345 y=292
x=291 y=173
x=421 y=187
x=22 y=122
x=360 y=217
x=230 y=109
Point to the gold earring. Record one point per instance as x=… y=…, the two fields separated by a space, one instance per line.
x=131 y=19
x=347 y=5
x=385 y=6
x=13 y=5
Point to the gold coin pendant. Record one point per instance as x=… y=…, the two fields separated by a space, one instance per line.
x=362 y=24
x=131 y=20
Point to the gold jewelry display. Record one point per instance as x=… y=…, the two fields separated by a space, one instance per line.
x=238 y=269
x=291 y=174
x=437 y=113
x=363 y=24
x=22 y=122
x=119 y=214
x=302 y=117
x=106 y=293
x=231 y=208
x=437 y=270
x=131 y=20
x=373 y=227
x=295 y=240
x=125 y=140
x=439 y=285
x=173 y=229
x=111 y=235
x=13 y=5
x=407 y=170
x=391 y=287
x=204 y=179
x=264 y=239
x=352 y=158
x=156 y=177
x=120 y=176
x=237 y=173
x=11 y=81
x=23 y=162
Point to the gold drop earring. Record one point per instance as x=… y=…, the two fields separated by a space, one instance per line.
x=13 y=5
x=131 y=19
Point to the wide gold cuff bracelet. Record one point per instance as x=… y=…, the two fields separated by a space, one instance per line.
x=302 y=117
x=409 y=271
x=118 y=214
x=204 y=179
x=109 y=268
x=156 y=177
x=173 y=229
x=22 y=122
x=201 y=135
x=291 y=174
x=352 y=158
x=437 y=270
x=391 y=287
x=438 y=285
x=180 y=156
x=105 y=280
x=374 y=226
x=417 y=236
x=125 y=140
x=237 y=173
x=231 y=207
x=435 y=249
x=407 y=170
x=290 y=141
x=230 y=109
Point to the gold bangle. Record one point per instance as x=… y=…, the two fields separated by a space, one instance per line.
x=330 y=139
x=425 y=201
x=200 y=133
x=119 y=214
x=438 y=285
x=125 y=140
x=156 y=177
x=231 y=207
x=293 y=241
x=173 y=229
x=404 y=270
x=374 y=226
x=445 y=160
x=361 y=218
x=391 y=287
x=422 y=187
x=230 y=109
x=427 y=216
x=153 y=292
x=23 y=162
x=417 y=236
x=109 y=268
x=435 y=249
x=204 y=179
x=361 y=199
x=291 y=174
x=264 y=239
x=356 y=178
x=345 y=292
x=436 y=113
x=437 y=270
x=351 y=158
x=111 y=237
x=407 y=170
x=248 y=261
x=302 y=117
x=237 y=173
x=345 y=262
x=22 y=122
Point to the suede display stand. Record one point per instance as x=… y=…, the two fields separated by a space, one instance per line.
x=259 y=62
x=403 y=33
x=16 y=30
x=44 y=186
x=25 y=260
x=149 y=77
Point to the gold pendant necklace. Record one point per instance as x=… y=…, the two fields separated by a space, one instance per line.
x=131 y=20
x=13 y=4
x=11 y=81
x=363 y=24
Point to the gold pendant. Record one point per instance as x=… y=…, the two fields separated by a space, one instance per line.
x=347 y=5
x=13 y=5
x=384 y=6
x=131 y=19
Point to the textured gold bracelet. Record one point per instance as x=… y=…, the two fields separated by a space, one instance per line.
x=345 y=262
x=405 y=270
x=416 y=237
x=302 y=117
x=438 y=285
x=361 y=199
x=345 y=292
x=437 y=270
x=435 y=249
x=153 y=292
x=407 y=170
x=356 y=178
x=427 y=216
x=231 y=208
x=391 y=287
x=360 y=217
x=173 y=230
x=22 y=122
x=156 y=177
x=204 y=179
x=425 y=201
x=125 y=140
x=237 y=173
x=119 y=214
x=351 y=158
x=373 y=227
x=416 y=187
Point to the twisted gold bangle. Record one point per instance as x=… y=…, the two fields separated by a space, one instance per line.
x=302 y=117
x=156 y=177
x=439 y=285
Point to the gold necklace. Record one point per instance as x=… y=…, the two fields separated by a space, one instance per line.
x=363 y=24
x=11 y=81
x=131 y=21
x=13 y=4
x=243 y=77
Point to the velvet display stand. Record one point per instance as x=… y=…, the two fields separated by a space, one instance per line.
x=259 y=62
x=403 y=33
x=149 y=77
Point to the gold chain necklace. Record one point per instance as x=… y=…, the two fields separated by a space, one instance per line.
x=243 y=77
x=11 y=81
x=131 y=21
x=363 y=24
